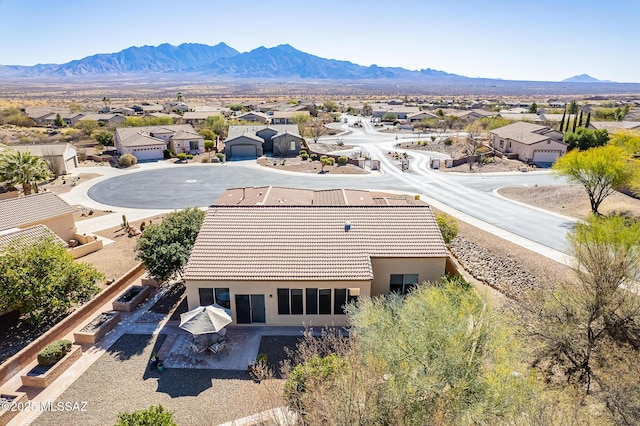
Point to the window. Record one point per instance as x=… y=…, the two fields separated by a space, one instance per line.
x=312 y=301
x=290 y=301
x=324 y=301
x=402 y=284
x=293 y=146
x=342 y=297
x=209 y=296
x=223 y=297
x=193 y=145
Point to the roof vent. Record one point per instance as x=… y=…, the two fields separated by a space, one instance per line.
x=347 y=226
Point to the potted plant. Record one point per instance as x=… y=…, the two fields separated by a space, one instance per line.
x=160 y=365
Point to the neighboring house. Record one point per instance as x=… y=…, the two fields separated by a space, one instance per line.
x=39 y=114
x=148 y=109
x=612 y=126
x=532 y=142
x=198 y=117
x=31 y=235
x=286 y=117
x=286 y=265
x=172 y=115
x=245 y=142
x=61 y=157
x=401 y=112
x=69 y=118
x=276 y=196
x=256 y=116
x=123 y=111
x=419 y=116
x=109 y=119
x=44 y=208
x=149 y=142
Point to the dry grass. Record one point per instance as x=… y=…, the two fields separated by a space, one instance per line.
x=571 y=200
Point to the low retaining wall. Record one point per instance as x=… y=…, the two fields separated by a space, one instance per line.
x=44 y=380
x=13 y=365
x=86 y=249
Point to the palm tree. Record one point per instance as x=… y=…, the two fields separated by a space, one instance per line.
x=22 y=168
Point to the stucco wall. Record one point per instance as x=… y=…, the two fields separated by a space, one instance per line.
x=269 y=290
x=428 y=269
x=63 y=226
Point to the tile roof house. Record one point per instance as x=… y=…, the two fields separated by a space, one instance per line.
x=44 y=208
x=149 y=142
x=254 y=141
x=61 y=158
x=256 y=116
x=108 y=119
x=289 y=265
x=31 y=235
x=276 y=196
x=286 y=117
x=532 y=143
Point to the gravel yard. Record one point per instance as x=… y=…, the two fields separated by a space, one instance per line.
x=301 y=166
x=570 y=200
x=121 y=381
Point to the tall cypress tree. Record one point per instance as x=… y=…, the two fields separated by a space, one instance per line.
x=564 y=113
x=588 y=120
x=580 y=121
x=575 y=123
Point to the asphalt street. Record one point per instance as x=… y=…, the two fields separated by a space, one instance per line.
x=471 y=194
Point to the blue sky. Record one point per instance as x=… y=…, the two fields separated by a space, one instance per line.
x=519 y=40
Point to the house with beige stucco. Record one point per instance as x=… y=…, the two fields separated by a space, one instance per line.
x=294 y=265
x=532 y=143
x=149 y=142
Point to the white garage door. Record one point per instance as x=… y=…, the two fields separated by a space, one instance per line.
x=545 y=156
x=71 y=163
x=146 y=154
x=243 y=151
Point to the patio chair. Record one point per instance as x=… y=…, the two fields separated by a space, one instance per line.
x=197 y=348
x=218 y=347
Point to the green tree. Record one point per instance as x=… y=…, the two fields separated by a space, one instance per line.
x=217 y=124
x=22 y=168
x=58 y=122
x=164 y=248
x=583 y=319
x=389 y=116
x=301 y=120
x=42 y=280
x=564 y=114
x=583 y=138
x=367 y=109
x=86 y=126
x=588 y=120
x=600 y=170
x=573 y=107
x=629 y=140
x=533 y=108
x=330 y=106
x=580 y=119
x=156 y=415
x=104 y=138
x=147 y=121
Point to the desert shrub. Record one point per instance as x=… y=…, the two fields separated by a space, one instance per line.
x=127 y=160
x=221 y=157
x=448 y=141
x=448 y=227
x=331 y=161
x=314 y=157
x=155 y=415
x=54 y=352
x=262 y=357
x=483 y=150
x=308 y=375
x=182 y=156
x=323 y=157
x=304 y=156
x=215 y=160
x=167 y=154
x=189 y=156
x=303 y=152
x=343 y=160
x=206 y=160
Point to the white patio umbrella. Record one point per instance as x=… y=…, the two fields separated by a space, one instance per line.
x=205 y=319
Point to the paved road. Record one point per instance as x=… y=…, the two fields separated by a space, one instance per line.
x=200 y=185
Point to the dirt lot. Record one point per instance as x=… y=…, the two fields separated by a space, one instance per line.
x=571 y=200
x=298 y=165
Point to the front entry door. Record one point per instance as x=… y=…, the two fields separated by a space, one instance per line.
x=250 y=308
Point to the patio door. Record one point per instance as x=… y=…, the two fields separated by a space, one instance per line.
x=250 y=309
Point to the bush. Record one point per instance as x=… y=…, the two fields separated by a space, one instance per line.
x=54 y=352
x=448 y=227
x=303 y=152
x=343 y=160
x=447 y=141
x=323 y=157
x=127 y=160
x=304 y=156
x=155 y=415
x=221 y=157
x=182 y=156
x=215 y=160
x=206 y=160
x=262 y=357
x=331 y=161
x=189 y=156
x=314 y=157
x=167 y=154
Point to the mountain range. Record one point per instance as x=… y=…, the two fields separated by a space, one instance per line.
x=584 y=78
x=278 y=62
